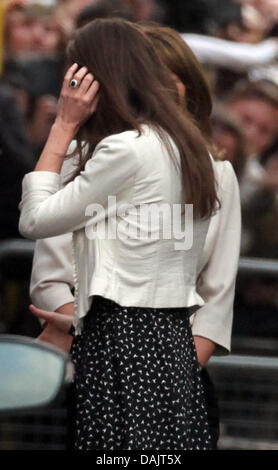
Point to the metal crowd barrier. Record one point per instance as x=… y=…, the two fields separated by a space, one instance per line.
x=39 y=430
x=16 y=248
x=266 y=267
x=247 y=389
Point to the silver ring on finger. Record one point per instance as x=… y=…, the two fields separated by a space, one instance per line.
x=74 y=83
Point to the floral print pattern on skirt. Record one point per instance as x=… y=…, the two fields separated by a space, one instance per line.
x=138 y=384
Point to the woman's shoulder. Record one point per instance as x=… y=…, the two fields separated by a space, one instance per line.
x=224 y=170
x=227 y=182
x=131 y=142
x=132 y=135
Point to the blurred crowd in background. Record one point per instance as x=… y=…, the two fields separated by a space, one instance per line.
x=237 y=44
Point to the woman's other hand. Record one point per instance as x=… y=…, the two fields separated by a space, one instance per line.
x=204 y=349
x=60 y=321
x=57 y=328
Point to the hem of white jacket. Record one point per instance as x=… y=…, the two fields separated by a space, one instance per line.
x=193 y=302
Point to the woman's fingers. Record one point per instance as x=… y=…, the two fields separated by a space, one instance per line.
x=92 y=90
x=88 y=92
x=86 y=83
x=94 y=104
x=59 y=320
x=70 y=73
x=44 y=314
x=80 y=75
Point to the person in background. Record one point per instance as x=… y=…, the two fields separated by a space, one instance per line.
x=34 y=66
x=31 y=30
x=16 y=160
x=38 y=112
x=265 y=10
x=235 y=42
x=138 y=11
x=40 y=122
x=147 y=10
x=229 y=139
x=237 y=56
x=104 y=9
x=234 y=23
x=255 y=105
x=67 y=12
x=192 y=17
x=35 y=48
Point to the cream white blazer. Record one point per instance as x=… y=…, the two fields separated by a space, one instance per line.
x=148 y=273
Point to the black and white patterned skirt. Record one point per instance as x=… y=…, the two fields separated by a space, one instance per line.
x=138 y=384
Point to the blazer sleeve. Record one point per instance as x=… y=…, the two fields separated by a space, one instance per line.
x=51 y=282
x=216 y=282
x=52 y=273
x=47 y=211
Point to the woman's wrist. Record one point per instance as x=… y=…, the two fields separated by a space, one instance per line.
x=204 y=349
x=69 y=130
x=56 y=148
x=52 y=329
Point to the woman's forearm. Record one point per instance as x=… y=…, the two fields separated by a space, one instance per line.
x=56 y=147
x=204 y=349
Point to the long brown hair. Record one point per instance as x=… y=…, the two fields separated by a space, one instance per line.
x=180 y=60
x=136 y=88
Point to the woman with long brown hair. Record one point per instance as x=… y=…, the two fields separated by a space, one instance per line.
x=138 y=382
x=212 y=323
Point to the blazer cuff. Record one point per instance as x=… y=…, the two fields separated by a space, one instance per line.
x=41 y=180
x=223 y=345
x=52 y=298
